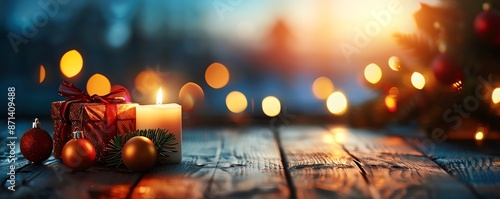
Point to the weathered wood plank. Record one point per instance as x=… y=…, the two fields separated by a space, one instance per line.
x=5 y=165
x=190 y=178
x=230 y=163
x=475 y=164
x=405 y=176
x=5 y=155
x=249 y=166
x=395 y=169
x=372 y=141
x=319 y=167
x=53 y=180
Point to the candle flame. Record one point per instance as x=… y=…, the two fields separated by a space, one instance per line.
x=159 y=97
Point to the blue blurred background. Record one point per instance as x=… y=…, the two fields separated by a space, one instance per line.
x=270 y=48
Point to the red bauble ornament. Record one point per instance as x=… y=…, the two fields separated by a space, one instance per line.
x=36 y=144
x=446 y=70
x=139 y=154
x=78 y=153
x=486 y=25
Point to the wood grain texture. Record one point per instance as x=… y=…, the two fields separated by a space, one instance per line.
x=319 y=167
x=321 y=162
x=369 y=141
x=20 y=161
x=396 y=169
x=53 y=180
x=332 y=162
x=406 y=176
x=224 y=163
x=190 y=178
x=477 y=165
x=249 y=166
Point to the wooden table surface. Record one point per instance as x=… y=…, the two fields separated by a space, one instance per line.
x=315 y=161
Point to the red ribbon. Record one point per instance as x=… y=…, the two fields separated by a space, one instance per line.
x=118 y=94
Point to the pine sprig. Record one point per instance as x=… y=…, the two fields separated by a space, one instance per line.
x=163 y=141
x=422 y=47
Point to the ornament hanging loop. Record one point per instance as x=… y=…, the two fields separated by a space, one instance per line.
x=36 y=123
x=78 y=134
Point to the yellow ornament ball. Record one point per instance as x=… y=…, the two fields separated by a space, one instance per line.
x=139 y=154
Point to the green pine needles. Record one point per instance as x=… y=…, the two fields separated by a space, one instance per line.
x=163 y=141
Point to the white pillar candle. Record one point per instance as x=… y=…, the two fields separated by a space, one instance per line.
x=163 y=116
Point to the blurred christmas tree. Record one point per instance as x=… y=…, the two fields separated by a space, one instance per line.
x=450 y=75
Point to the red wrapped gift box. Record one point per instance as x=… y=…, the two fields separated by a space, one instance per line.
x=99 y=117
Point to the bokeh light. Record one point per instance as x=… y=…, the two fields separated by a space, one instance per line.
x=391 y=103
x=98 y=84
x=71 y=63
x=337 y=103
x=42 y=74
x=394 y=63
x=147 y=81
x=394 y=92
x=373 y=73
x=418 y=80
x=271 y=106
x=479 y=135
x=128 y=97
x=191 y=95
x=322 y=87
x=457 y=86
x=340 y=134
x=217 y=75
x=495 y=95
x=236 y=102
x=328 y=138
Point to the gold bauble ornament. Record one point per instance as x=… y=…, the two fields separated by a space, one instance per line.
x=78 y=153
x=139 y=154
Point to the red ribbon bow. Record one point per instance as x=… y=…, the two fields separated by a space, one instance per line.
x=118 y=94
x=74 y=95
